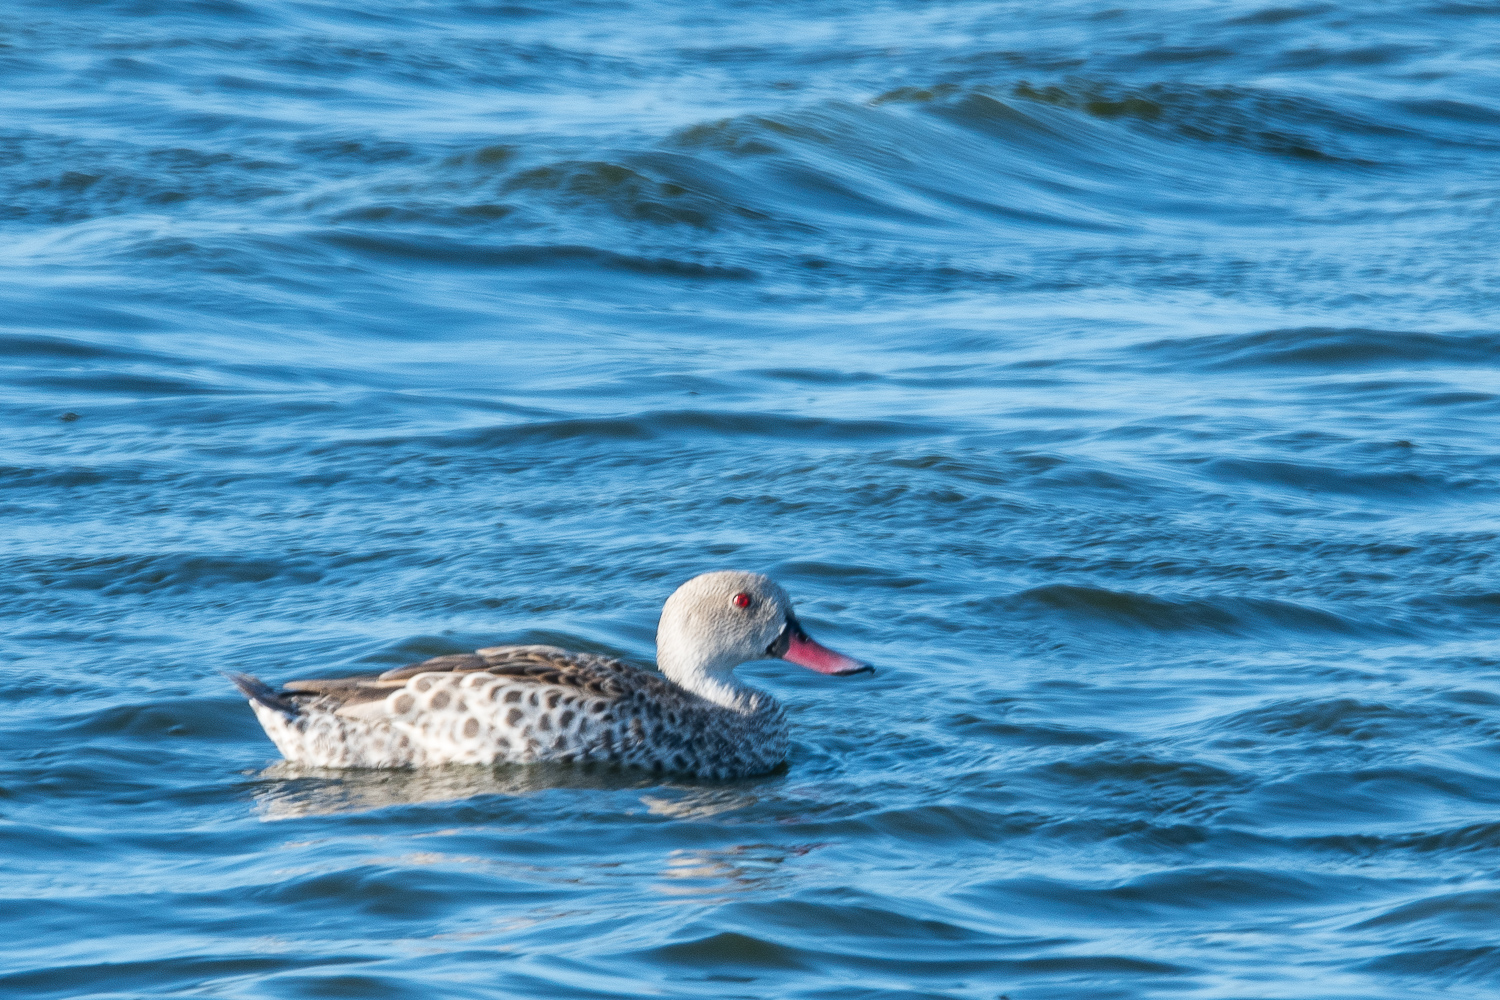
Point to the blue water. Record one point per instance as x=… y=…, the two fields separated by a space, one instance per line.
x=1123 y=382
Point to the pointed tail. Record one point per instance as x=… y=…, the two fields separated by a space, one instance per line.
x=258 y=690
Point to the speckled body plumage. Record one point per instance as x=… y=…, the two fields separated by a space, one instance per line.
x=523 y=704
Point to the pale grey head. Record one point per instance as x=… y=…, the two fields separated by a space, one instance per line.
x=716 y=621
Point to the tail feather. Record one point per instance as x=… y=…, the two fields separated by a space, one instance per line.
x=258 y=690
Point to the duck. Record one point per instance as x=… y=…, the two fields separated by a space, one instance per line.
x=526 y=704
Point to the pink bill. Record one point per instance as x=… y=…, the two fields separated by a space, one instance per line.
x=804 y=652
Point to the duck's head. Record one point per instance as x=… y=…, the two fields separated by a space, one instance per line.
x=716 y=621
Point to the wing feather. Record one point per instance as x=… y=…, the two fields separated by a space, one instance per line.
x=587 y=675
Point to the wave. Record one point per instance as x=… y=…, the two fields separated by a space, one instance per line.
x=935 y=181
x=1092 y=606
x=1259 y=121
x=450 y=253
x=1322 y=349
x=961 y=951
x=72 y=980
x=1343 y=718
x=1159 y=894
x=652 y=426
x=128 y=178
x=1315 y=480
x=1474 y=909
x=162 y=573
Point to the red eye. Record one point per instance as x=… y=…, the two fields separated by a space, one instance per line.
x=742 y=600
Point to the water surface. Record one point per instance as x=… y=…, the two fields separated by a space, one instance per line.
x=1122 y=382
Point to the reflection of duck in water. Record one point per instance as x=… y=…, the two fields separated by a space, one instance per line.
x=288 y=791
x=535 y=703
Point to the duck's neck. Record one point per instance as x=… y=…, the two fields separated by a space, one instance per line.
x=710 y=678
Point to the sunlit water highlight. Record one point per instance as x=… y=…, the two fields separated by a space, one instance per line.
x=1121 y=382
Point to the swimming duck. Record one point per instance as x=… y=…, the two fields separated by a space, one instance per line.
x=542 y=703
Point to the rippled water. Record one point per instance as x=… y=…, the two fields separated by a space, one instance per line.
x=1122 y=382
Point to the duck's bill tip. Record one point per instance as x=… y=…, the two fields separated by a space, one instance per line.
x=805 y=652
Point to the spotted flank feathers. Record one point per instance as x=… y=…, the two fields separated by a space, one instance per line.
x=518 y=704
